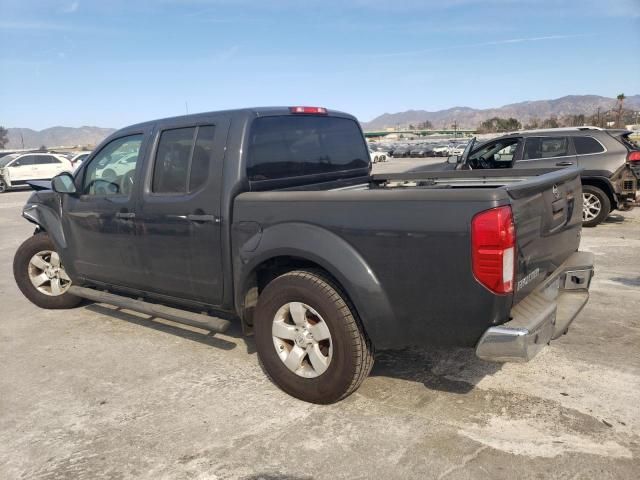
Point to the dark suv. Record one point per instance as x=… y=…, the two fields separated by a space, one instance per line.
x=608 y=158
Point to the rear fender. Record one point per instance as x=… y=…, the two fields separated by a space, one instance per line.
x=328 y=251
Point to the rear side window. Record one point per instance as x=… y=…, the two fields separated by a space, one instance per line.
x=586 y=145
x=546 y=147
x=293 y=146
x=182 y=159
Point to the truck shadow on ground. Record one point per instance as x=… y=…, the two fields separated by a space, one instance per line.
x=183 y=331
x=446 y=370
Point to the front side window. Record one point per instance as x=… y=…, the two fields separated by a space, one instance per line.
x=182 y=159
x=113 y=170
x=587 y=145
x=498 y=154
x=291 y=146
x=546 y=147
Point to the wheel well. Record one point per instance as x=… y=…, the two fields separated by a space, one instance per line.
x=268 y=271
x=604 y=186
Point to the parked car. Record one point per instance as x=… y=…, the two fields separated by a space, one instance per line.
x=19 y=168
x=377 y=156
x=78 y=158
x=441 y=150
x=607 y=163
x=457 y=149
x=420 y=151
x=401 y=152
x=271 y=216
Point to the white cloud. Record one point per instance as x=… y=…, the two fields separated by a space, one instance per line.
x=72 y=7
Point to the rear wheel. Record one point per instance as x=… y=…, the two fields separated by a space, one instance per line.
x=41 y=276
x=596 y=206
x=308 y=338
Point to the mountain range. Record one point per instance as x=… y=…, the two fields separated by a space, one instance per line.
x=467 y=117
x=56 y=137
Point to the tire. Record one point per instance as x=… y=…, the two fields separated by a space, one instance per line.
x=24 y=269
x=596 y=206
x=3 y=186
x=348 y=348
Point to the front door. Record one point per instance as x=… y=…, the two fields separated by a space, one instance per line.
x=180 y=215
x=22 y=169
x=99 y=221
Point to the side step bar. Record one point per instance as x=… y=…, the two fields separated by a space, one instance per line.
x=199 y=320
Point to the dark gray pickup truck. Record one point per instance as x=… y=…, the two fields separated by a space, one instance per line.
x=271 y=216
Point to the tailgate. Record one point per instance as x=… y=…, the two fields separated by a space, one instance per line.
x=547 y=213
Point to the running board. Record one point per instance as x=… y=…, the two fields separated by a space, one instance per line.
x=199 y=320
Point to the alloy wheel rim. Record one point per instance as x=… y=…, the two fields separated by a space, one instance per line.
x=591 y=206
x=47 y=274
x=302 y=339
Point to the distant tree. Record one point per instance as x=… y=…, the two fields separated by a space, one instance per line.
x=620 y=104
x=42 y=148
x=551 y=122
x=426 y=125
x=4 y=137
x=412 y=126
x=497 y=124
x=533 y=124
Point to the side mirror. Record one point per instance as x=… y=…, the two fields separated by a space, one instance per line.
x=63 y=183
x=453 y=159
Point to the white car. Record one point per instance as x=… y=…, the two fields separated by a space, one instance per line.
x=78 y=158
x=457 y=150
x=19 y=168
x=441 y=150
x=378 y=156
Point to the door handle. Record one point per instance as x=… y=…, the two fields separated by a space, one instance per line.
x=203 y=218
x=564 y=164
x=126 y=215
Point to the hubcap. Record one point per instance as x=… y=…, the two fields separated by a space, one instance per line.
x=591 y=206
x=302 y=339
x=47 y=274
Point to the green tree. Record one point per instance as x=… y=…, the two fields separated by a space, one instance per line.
x=497 y=124
x=4 y=137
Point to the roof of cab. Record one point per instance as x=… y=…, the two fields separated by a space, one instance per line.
x=253 y=111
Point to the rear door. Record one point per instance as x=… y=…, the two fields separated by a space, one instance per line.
x=179 y=219
x=547 y=152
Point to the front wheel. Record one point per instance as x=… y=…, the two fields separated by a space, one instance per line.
x=3 y=186
x=309 y=339
x=596 y=206
x=40 y=275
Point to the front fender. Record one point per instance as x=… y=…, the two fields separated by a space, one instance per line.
x=43 y=210
x=329 y=251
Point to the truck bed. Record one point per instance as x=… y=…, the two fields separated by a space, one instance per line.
x=413 y=232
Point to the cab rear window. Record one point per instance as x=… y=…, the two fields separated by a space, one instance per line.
x=294 y=146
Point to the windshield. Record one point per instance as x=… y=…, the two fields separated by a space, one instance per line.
x=4 y=161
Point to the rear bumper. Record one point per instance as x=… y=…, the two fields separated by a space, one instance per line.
x=543 y=315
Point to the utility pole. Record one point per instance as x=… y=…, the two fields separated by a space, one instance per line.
x=598 y=115
x=455 y=129
x=186 y=107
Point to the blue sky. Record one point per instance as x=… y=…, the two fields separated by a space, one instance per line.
x=116 y=62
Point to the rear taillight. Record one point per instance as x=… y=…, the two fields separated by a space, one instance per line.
x=633 y=156
x=493 y=239
x=309 y=110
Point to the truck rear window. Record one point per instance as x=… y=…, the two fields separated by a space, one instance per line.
x=294 y=146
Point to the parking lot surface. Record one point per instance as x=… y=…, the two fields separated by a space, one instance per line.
x=97 y=392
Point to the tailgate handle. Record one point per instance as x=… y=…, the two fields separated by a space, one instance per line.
x=564 y=164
